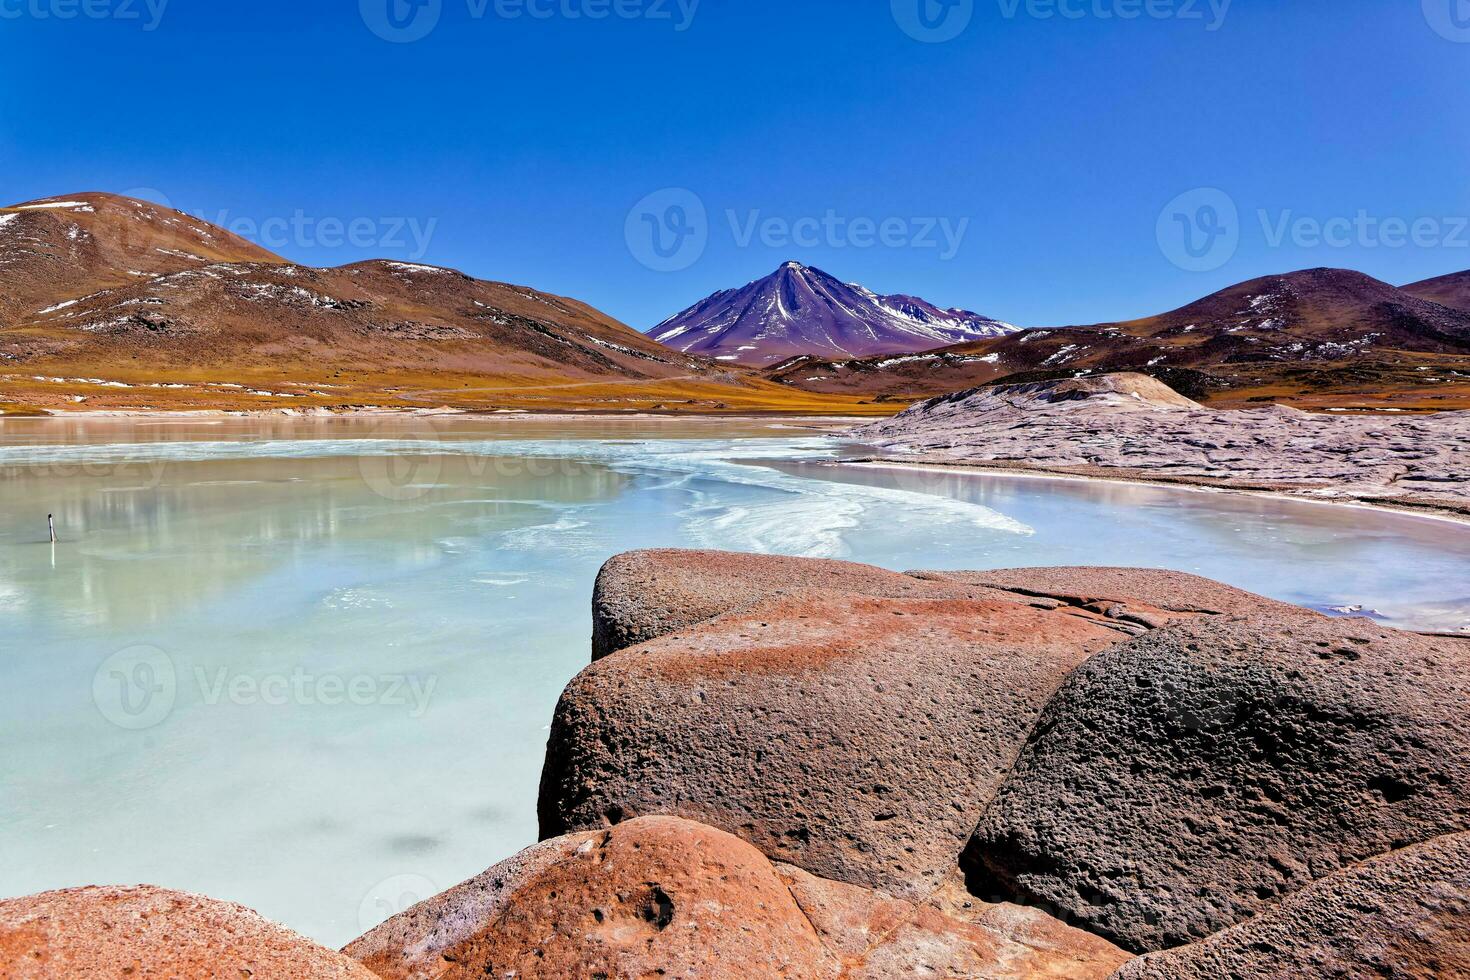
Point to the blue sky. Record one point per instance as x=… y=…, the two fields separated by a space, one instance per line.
x=1042 y=165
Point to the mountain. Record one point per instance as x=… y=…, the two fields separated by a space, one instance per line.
x=1321 y=337
x=801 y=310
x=61 y=248
x=111 y=303
x=1452 y=290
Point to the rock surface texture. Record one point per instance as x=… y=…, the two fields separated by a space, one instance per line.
x=858 y=738
x=1131 y=426
x=651 y=897
x=847 y=720
x=642 y=595
x=116 y=933
x=1149 y=596
x=662 y=897
x=1187 y=780
x=876 y=936
x=1406 y=914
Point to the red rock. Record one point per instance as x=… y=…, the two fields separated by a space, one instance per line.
x=662 y=897
x=643 y=595
x=1176 y=593
x=653 y=897
x=140 y=932
x=878 y=937
x=858 y=738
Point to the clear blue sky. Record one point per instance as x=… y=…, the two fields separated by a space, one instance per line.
x=526 y=141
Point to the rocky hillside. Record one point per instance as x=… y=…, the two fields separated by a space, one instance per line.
x=799 y=310
x=1322 y=338
x=57 y=250
x=1130 y=426
x=826 y=771
x=1452 y=290
x=114 y=303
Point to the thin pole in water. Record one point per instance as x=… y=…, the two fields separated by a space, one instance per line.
x=51 y=526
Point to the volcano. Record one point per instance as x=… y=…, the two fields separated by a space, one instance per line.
x=800 y=310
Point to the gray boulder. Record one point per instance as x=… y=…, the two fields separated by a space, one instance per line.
x=1187 y=780
x=1406 y=914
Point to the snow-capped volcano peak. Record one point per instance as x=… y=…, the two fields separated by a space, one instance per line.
x=803 y=310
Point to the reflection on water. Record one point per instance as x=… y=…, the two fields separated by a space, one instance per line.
x=309 y=666
x=135 y=553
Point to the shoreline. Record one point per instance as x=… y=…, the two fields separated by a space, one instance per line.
x=381 y=414
x=1434 y=511
x=1446 y=513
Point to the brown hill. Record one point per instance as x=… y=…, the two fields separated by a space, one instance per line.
x=61 y=248
x=118 y=304
x=1319 y=338
x=1452 y=290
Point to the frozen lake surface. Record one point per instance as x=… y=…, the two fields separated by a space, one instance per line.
x=309 y=665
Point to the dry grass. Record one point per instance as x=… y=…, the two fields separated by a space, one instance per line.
x=339 y=390
x=16 y=410
x=1416 y=400
x=302 y=389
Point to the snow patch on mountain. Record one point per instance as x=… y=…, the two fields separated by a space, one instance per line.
x=53 y=205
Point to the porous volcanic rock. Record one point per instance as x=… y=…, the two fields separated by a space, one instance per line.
x=119 y=933
x=1406 y=914
x=858 y=738
x=878 y=937
x=1144 y=593
x=642 y=595
x=653 y=897
x=1191 y=778
x=663 y=897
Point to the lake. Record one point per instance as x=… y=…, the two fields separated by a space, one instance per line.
x=309 y=665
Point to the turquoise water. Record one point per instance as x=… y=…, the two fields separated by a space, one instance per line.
x=309 y=666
